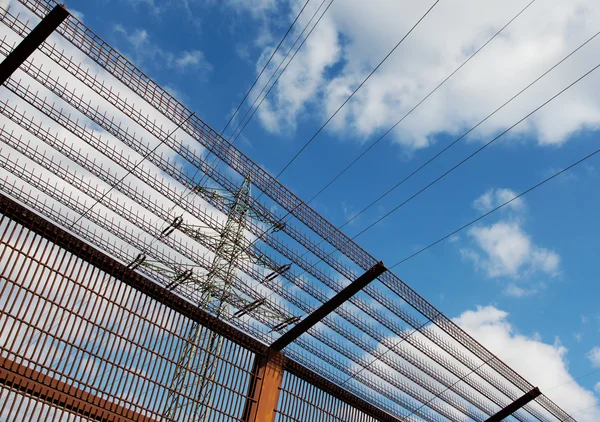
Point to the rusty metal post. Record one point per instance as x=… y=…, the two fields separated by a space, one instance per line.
x=264 y=388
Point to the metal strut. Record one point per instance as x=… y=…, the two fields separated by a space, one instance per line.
x=514 y=406
x=32 y=41
x=328 y=307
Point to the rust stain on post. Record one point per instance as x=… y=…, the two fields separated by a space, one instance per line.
x=264 y=389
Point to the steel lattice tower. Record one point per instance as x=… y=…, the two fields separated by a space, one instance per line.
x=203 y=346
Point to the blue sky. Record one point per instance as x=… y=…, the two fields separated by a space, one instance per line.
x=532 y=266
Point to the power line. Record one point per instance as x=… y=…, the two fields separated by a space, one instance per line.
x=406 y=115
x=264 y=68
x=355 y=91
x=472 y=129
x=387 y=132
x=342 y=105
x=454 y=142
x=473 y=154
x=543 y=182
x=348 y=98
x=255 y=109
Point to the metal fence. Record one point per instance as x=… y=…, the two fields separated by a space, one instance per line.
x=70 y=329
x=85 y=338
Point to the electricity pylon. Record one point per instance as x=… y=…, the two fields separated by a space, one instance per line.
x=192 y=384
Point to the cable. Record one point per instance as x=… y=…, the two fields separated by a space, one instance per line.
x=413 y=109
x=497 y=208
x=339 y=108
x=387 y=132
x=263 y=69
x=474 y=153
x=471 y=129
x=255 y=109
x=354 y=92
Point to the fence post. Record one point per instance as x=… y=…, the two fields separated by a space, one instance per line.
x=263 y=391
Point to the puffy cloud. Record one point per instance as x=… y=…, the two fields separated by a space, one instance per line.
x=355 y=37
x=509 y=251
x=255 y=7
x=543 y=364
x=496 y=197
x=594 y=357
x=515 y=291
x=504 y=249
x=144 y=51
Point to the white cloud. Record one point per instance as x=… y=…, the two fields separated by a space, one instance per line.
x=189 y=59
x=594 y=357
x=145 y=51
x=515 y=291
x=496 y=197
x=355 y=36
x=507 y=251
x=77 y=14
x=544 y=365
x=304 y=78
x=255 y=7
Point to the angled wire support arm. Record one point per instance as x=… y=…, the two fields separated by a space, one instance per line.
x=32 y=41
x=328 y=307
x=514 y=406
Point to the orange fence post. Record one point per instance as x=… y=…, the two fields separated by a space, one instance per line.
x=264 y=389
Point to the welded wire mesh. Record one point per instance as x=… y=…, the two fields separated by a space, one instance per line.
x=69 y=329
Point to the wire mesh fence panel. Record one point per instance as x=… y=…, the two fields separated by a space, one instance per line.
x=79 y=344
x=301 y=401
